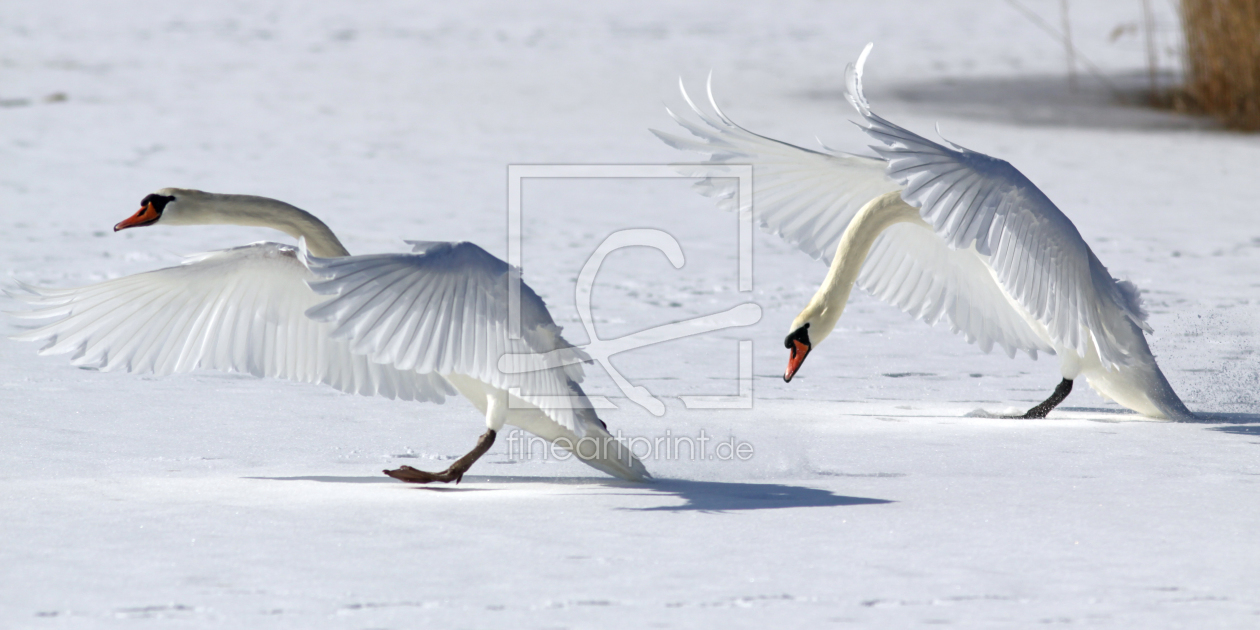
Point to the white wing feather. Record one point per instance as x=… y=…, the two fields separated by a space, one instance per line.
x=1035 y=252
x=240 y=310
x=804 y=196
x=444 y=309
x=909 y=268
x=809 y=198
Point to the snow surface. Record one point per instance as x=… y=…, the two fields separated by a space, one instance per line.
x=216 y=500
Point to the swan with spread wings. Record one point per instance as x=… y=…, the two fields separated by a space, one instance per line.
x=419 y=326
x=943 y=233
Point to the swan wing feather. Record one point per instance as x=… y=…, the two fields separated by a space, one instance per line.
x=1035 y=253
x=238 y=310
x=806 y=197
x=809 y=198
x=444 y=308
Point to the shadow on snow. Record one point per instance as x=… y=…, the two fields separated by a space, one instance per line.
x=698 y=496
x=1033 y=100
x=330 y=479
x=1230 y=418
x=720 y=496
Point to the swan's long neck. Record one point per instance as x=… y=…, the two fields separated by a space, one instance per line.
x=828 y=303
x=201 y=208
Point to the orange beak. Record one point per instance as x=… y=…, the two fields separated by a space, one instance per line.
x=145 y=216
x=799 y=350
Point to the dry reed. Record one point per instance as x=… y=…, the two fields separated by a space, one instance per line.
x=1223 y=60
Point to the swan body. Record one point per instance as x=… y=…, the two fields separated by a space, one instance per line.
x=419 y=326
x=944 y=233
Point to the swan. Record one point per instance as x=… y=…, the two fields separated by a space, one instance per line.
x=942 y=232
x=418 y=326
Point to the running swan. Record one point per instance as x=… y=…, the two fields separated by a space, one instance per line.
x=417 y=326
x=943 y=233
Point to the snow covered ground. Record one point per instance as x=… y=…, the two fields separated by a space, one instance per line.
x=216 y=500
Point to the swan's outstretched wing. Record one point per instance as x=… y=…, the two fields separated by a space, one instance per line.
x=804 y=196
x=809 y=198
x=911 y=268
x=444 y=309
x=1035 y=252
x=240 y=310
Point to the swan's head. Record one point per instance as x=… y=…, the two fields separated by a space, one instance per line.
x=153 y=208
x=799 y=345
x=809 y=329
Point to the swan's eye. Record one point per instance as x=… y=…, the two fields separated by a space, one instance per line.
x=159 y=202
x=800 y=334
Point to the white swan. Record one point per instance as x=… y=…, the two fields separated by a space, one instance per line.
x=417 y=326
x=943 y=233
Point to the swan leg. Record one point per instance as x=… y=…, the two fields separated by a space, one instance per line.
x=496 y=401
x=455 y=472
x=1060 y=392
